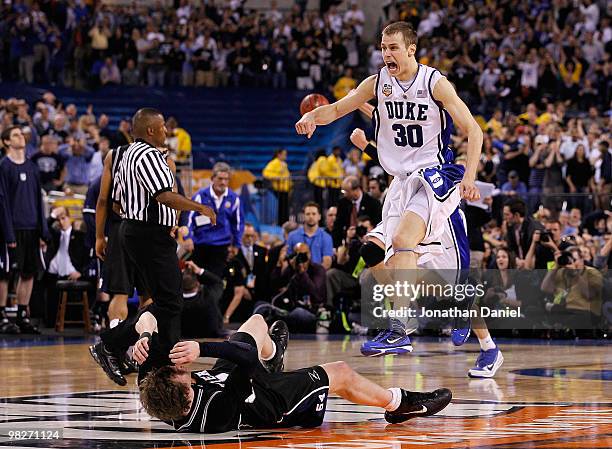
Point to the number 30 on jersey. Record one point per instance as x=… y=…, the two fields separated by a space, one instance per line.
x=408 y=135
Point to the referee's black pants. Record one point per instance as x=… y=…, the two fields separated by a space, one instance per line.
x=152 y=252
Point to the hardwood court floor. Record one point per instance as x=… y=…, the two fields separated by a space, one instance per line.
x=546 y=395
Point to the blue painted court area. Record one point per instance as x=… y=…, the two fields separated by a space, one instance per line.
x=590 y=374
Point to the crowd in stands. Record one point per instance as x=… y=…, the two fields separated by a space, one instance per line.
x=209 y=44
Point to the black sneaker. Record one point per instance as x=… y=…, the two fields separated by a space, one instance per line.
x=26 y=327
x=279 y=332
x=416 y=405
x=6 y=327
x=108 y=362
x=128 y=365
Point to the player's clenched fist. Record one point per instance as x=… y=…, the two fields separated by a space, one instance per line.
x=306 y=125
x=469 y=191
x=358 y=138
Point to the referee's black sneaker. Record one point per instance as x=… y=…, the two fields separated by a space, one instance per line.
x=416 y=405
x=279 y=333
x=108 y=362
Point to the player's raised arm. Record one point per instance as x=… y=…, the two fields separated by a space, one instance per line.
x=443 y=91
x=324 y=115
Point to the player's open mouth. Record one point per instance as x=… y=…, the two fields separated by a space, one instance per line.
x=392 y=66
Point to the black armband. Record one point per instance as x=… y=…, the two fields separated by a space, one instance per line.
x=371 y=151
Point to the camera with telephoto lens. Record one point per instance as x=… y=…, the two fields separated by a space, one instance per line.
x=565 y=259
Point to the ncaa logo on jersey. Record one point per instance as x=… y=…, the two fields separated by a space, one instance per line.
x=23 y=176
x=387 y=89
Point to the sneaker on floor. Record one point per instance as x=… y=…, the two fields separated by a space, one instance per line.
x=6 y=327
x=26 y=327
x=108 y=362
x=487 y=363
x=279 y=333
x=416 y=405
x=388 y=341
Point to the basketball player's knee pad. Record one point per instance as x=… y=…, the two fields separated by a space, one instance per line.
x=372 y=254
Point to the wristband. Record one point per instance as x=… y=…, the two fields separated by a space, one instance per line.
x=145 y=335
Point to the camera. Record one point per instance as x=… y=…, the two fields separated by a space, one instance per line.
x=545 y=236
x=301 y=258
x=361 y=231
x=565 y=259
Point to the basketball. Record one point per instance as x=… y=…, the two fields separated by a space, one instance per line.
x=312 y=102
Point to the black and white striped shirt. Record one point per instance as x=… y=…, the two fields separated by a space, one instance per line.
x=143 y=174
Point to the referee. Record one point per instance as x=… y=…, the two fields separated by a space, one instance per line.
x=145 y=182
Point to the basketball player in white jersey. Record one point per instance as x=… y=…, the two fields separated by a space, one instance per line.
x=413 y=105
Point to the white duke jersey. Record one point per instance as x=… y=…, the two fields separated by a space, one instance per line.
x=412 y=129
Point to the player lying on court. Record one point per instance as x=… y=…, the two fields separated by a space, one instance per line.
x=247 y=388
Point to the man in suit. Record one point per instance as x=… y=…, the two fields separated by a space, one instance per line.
x=355 y=203
x=202 y=291
x=66 y=257
x=520 y=227
x=254 y=258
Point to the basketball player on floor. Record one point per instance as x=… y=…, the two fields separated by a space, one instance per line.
x=246 y=387
x=413 y=105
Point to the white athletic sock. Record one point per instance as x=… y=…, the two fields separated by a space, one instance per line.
x=487 y=343
x=265 y=359
x=114 y=322
x=396 y=399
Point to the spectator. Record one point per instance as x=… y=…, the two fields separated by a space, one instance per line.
x=123 y=136
x=333 y=172
x=97 y=161
x=277 y=256
x=500 y=282
x=154 y=63
x=77 y=155
x=345 y=84
x=210 y=242
x=520 y=227
x=235 y=276
x=66 y=257
x=254 y=259
x=23 y=227
x=330 y=219
x=109 y=73
x=353 y=165
x=50 y=164
x=552 y=184
x=178 y=141
x=277 y=173
x=514 y=186
x=319 y=242
x=578 y=178
x=130 y=74
x=477 y=217
x=355 y=203
x=377 y=189
x=202 y=292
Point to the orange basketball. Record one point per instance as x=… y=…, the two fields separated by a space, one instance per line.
x=311 y=102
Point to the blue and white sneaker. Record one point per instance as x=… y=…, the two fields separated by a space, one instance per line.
x=462 y=329
x=392 y=341
x=487 y=363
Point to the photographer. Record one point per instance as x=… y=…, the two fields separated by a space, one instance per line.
x=577 y=291
x=343 y=277
x=305 y=292
x=202 y=291
x=544 y=246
